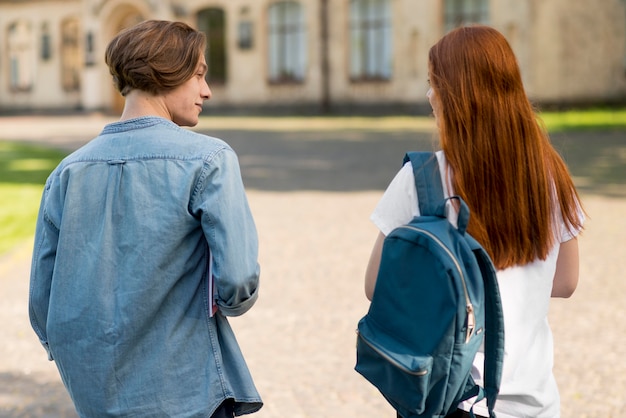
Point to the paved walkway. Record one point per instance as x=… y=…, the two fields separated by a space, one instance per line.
x=299 y=339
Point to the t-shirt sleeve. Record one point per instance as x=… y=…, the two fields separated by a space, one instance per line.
x=398 y=204
x=566 y=234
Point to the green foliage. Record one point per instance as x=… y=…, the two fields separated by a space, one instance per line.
x=23 y=172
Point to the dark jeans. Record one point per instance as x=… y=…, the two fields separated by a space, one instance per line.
x=459 y=413
x=225 y=410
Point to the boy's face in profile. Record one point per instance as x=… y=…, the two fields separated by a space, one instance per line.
x=184 y=103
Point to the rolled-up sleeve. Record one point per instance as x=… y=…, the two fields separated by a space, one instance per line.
x=230 y=232
x=42 y=267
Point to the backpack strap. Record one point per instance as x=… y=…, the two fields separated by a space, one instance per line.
x=427 y=180
x=429 y=188
x=494 y=326
x=430 y=196
x=494 y=334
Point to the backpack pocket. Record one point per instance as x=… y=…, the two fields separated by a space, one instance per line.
x=400 y=375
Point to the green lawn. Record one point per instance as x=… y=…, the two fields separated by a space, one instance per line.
x=23 y=172
x=591 y=119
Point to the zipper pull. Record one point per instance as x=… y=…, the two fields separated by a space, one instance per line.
x=470 y=322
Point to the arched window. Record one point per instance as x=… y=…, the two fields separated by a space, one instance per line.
x=212 y=22
x=287 y=42
x=70 y=55
x=21 y=45
x=463 y=12
x=370 y=40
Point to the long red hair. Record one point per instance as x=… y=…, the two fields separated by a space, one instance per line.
x=503 y=164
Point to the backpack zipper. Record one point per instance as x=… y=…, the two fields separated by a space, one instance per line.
x=470 y=318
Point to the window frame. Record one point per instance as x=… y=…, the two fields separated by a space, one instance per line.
x=216 y=52
x=457 y=13
x=70 y=57
x=287 y=46
x=22 y=55
x=370 y=37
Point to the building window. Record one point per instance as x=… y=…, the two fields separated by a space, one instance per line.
x=21 y=45
x=287 y=42
x=370 y=40
x=464 y=12
x=46 y=47
x=245 y=38
x=212 y=22
x=70 y=55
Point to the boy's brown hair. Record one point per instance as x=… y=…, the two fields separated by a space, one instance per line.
x=154 y=56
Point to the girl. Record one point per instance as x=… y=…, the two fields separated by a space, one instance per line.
x=525 y=210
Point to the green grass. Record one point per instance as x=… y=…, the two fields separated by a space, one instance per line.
x=591 y=119
x=23 y=172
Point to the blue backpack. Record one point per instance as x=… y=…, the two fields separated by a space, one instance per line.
x=436 y=299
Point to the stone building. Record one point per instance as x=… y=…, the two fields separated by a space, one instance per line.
x=316 y=54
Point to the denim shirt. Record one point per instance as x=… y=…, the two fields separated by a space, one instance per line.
x=119 y=289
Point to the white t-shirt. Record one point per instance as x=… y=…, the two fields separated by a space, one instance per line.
x=528 y=387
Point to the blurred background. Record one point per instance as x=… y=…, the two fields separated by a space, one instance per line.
x=278 y=69
x=311 y=55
